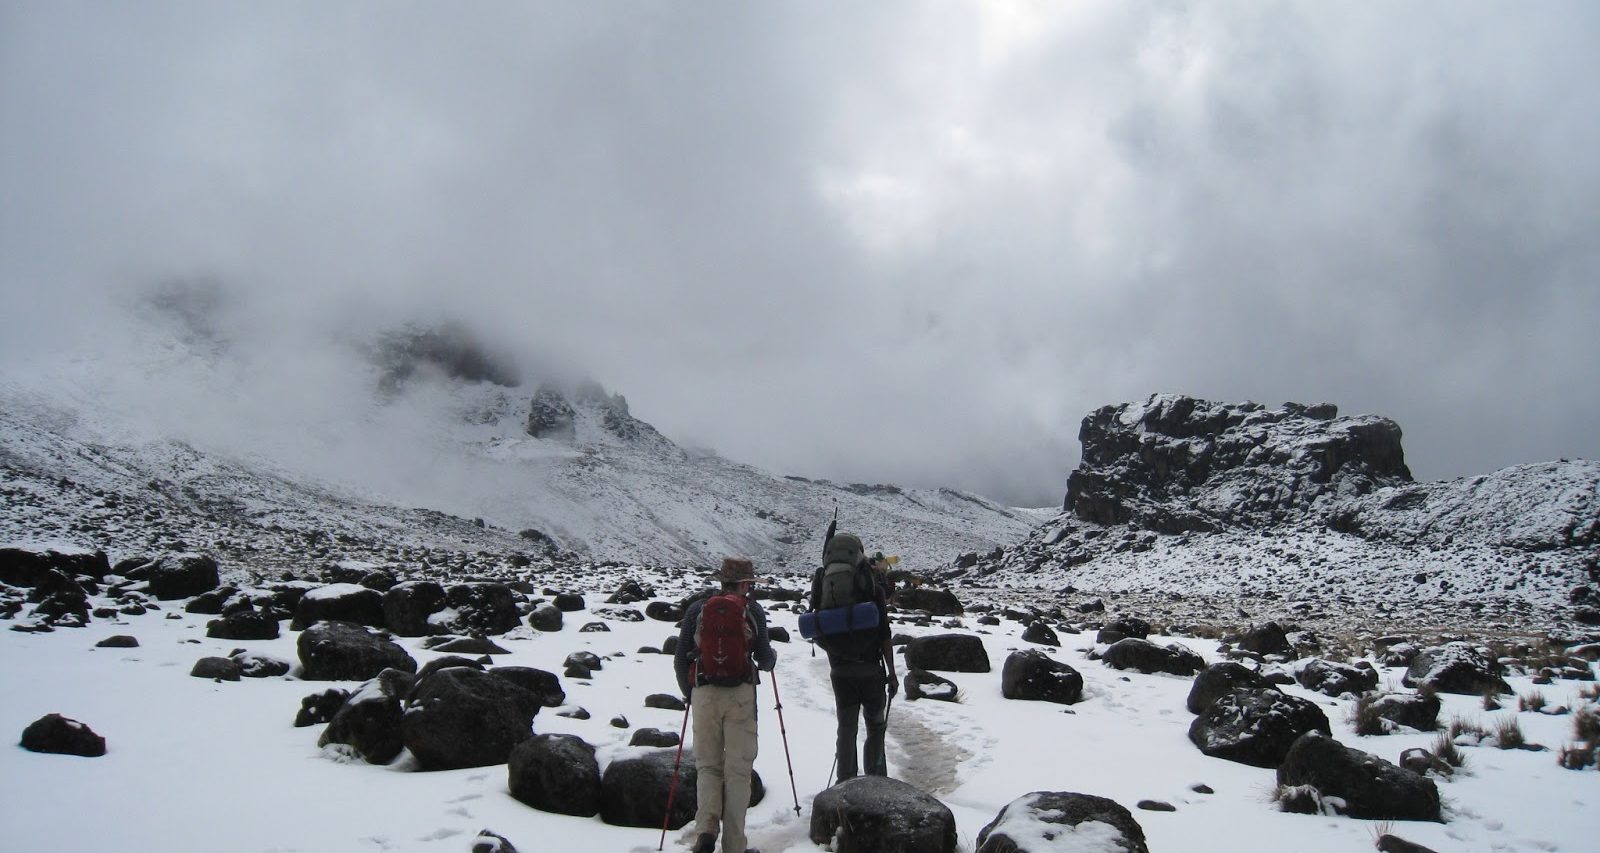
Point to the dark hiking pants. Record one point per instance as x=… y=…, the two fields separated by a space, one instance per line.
x=857 y=696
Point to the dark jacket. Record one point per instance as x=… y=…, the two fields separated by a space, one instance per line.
x=760 y=645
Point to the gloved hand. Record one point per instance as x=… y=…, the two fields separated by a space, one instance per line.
x=894 y=685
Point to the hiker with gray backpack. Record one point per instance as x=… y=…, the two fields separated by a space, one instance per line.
x=849 y=619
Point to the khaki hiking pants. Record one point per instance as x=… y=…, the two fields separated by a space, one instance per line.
x=724 y=752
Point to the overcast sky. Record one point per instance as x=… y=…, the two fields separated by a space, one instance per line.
x=882 y=242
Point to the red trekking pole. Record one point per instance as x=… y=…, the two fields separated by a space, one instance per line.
x=785 y=733
x=672 y=790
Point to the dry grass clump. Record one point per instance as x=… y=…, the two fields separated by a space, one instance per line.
x=1447 y=751
x=1586 y=725
x=1508 y=734
x=1531 y=701
x=1491 y=700
x=1586 y=752
x=1365 y=719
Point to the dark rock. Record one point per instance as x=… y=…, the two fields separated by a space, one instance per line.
x=653 y=738
x=1394 y=844
x=470 y=646
x=221 y=669
x=490 y=842
x=619 y=614
x=320 y=707
x=630 y=592
x=181 y=576
x=1034 y=675
x=408 y=606
x=1039 y=632
x=877 y=814
x=1147 y=657
x=340 y=651
x=665 y=701
x=1155 y=806
x=482 y=608
x=634 y=790
x=663 y=611
x=777 y=633
x=1123 y=628
x=1219 y=679
x=260 y=666
x=19 y=567
x=1456 y=668
x=568 y=602
x=545 y=617
x=1420 y=712
x=1336 y=679
x=244 y=625
x=1371 y=788
x=1255 y=727
x=340 y=602
x=377 y=579
x=1269 y=639
x=210 y=603
x=947 y=653
x=556 y=773
x=922 y=684
x=595 y=628
x=120 y=641
x=544 y=686
x=577 y=713
x=461 y=717
x=1422 y=761
x=938 y=602
x=587 y=660
x=446 y=662
x=369 y=721
x=669 y=646
x=619 y=722
x=60 y=735
x=575 y=671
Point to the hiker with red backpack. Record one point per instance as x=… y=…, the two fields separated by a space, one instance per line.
x=849 y=619
x=722 y=643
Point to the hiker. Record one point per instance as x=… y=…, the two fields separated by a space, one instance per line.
x=860 y=660
x=716 y=643
x=880 y=573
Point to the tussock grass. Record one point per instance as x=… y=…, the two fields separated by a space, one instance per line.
x=1364 y=717
x=1447 y=751
x=1491 y=700
x=1577 y=756
x=1531 y=701
x=1508 y=734
x=1586 y=725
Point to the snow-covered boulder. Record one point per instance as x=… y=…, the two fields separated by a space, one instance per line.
x=1041 y=633
x=870 y=814
x=947 y=653
x=1032 y=675
x=1456 y=668
x=634 y=789
x=481 y=608
x=1268 y=639
x=461 y=717
x=54 y=733
x=545 y=686
x=253 y=665
x=1220 y=679
x=1122 y=628
x=922 y=684
x=556 y=773
x=243 y=625
x=407 y=607
x=1336 y=679
x=1255 y=727
x=1044 y=821
x=340 y=651
x=369 y=720
x=1417 y=711
x=1147 y=657
x=342 y=602
x=1365 y=785
x=181 y=576
x=210 y=603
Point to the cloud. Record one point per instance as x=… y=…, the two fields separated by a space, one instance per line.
x=901 y=243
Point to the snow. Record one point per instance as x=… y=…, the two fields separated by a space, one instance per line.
x=195 y=765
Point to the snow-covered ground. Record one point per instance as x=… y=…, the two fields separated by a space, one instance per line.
x=195 y=765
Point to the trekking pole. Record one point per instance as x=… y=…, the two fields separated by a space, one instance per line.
x=785 y=732
x=672 y=790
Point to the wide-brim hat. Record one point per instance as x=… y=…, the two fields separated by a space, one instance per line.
x=736 y=569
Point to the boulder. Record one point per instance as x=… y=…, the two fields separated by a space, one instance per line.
x=1033 y=675
x=243 y=625
x=545 y=617
x=1336 y=679
x=491 y=842
x=1369 y=787
x=20 y=567
x=777 y=634
x=408 y=606
x=878 y=814
x=181 y=576
x=922 y=684
x=938 y=602
x=446 y=662
x=1418 y=711
x=1219 y=679
x=482 y=608
x=663 y=611
x=947 y=653
x=1455 y=668
x=630 y=592
x=1038 y=632
x=1147 y=657
x=1061 y=820
x=634 y=790
x=568 y=602
x=619 y=614
x=339 y=602
x=210 y=603
x=1255 y=726
x=556 y=773
x=1122 y=628
x=545 y=686
x=664 y=701
x=253 y=665
x=340 y=651
x=221 y=669
x=369 y=721
x=60 y=735
x=118 y=641
x=587 y=660
x=653 y=737
x=469 y=646
x=1269 y=639
x=460 y=717
x=319 y=708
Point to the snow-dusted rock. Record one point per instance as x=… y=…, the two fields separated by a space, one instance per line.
x=947 y=653
x=407 y=607
x=1220 y=679
x=1040 y=632
x=1268 y=639
x=1044 y=821
x=243 y=625
x=369 y=720
x=1255 y=727
x=1336 y=679
x=1032 y=675
x=1366 y=786
x=181 y=575
x=54 y=733
x=634 y=789
x=461 y=717
x=922 y=684
x=556 y=773
x=546 y=617
x=342 y=602
x=869 y=814
x=319 y=708
x=1122 y=628
x=1147 y=657
x=492 y=842
x=219 y=668
x=253 y=665
x=340 y=651
x=543 y=685
x=1413 y=710
x=1456 y=668
x=939 y=602
x=479 y=608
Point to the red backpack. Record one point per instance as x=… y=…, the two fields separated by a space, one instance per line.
x=723 y=637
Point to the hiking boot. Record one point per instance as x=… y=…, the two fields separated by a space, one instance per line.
x=706 y=843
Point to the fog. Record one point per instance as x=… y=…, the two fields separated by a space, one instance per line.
x=908 y=243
